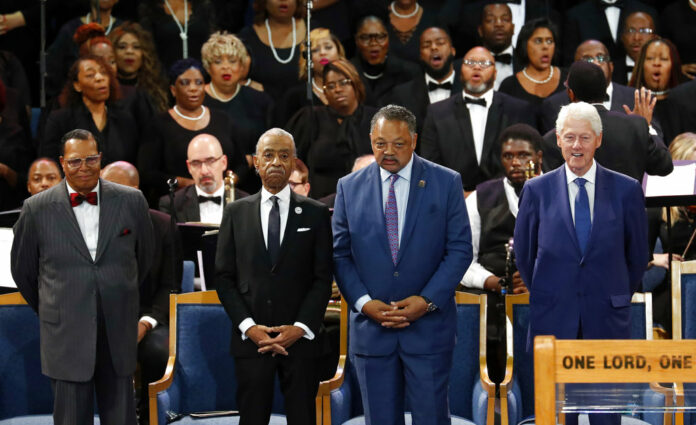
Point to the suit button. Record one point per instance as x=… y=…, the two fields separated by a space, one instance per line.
x=396 y=274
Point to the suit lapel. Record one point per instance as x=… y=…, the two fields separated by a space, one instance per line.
x=420 y=93
x=566 y=216
x=415 y=194
x=603 y=206
x=467 y=147
x=108 y=210
x=490 y=133
x=64 y=209
x=377 y=206
x=253 y=215
x=290 y=228
x=191 y=208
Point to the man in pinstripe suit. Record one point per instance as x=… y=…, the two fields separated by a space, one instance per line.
x=80 y=251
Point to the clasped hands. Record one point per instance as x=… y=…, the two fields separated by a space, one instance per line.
x=287 y=335
x=397 y=314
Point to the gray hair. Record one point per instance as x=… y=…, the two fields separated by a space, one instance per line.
x=279 y=132
x=395 y=113
x=579 y=111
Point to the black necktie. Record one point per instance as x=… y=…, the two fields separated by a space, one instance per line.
x=476 y=101
x=274 y=230
x=504 y=58
x=216 y=199
x=434 y=86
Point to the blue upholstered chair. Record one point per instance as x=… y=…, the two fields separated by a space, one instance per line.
x=200 y=374
x=517 y=388
x=187 y=276
x=472 y=394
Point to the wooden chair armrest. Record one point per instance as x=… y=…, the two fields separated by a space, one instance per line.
x=156 y=387
x=325 y=387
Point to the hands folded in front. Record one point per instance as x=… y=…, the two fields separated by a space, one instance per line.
x=286 y=336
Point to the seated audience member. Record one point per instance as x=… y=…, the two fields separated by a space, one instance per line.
x=164 y=278
x=274 y=42
x=379 y=71
x=43 y=174
x=407 y=21
x=63 y=52
x=462 y=132
x=299 y=178
x=204 y=200
x=496 y=30
x=638 y=28
x=628 y=145
x=535 y=54
x=325 y=48
x=139 y=73
x=163 y=148
x=178 y=27
x=13 y=76
x=617 y=95
x=659 y=70
x=223 y=57
x=438 y=80
x=88 y=101
x=15 y=154
x=492 y=209
x=679 y=25
x=338 y=133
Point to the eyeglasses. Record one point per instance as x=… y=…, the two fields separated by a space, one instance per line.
x=198 y=163
x=342 y=83
x=365 y=39
x=639 y=30
x=596 y=59
x=90 y=161
x=483 y=64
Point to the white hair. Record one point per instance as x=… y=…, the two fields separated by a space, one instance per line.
x=579 y=111
x=277 y=132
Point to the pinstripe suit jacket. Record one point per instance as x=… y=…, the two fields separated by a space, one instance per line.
x=57 y=276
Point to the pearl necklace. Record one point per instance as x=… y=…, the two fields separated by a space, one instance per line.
x=183 y=31
x=176 y=111
x=409 y=15
x=88 y=19
x=294 y=43
x=660 y=93
x=218 y=97
x=544 y=81
x=373 y=77
x=316 y=87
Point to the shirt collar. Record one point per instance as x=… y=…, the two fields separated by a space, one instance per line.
x=219 y=192
x=487 y=95
x=590 y=175
x=449 y=79
x=96 y=189
x=283 y=195
x=404 y=173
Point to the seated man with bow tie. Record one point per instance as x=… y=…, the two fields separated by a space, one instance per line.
x=204 y=200
x=496 y=30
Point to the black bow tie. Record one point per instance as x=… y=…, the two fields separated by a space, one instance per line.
x=514 y=1
x=216 y=199
x=434 y=86
x=618 y=3
x=477 y=101
x=504 y=58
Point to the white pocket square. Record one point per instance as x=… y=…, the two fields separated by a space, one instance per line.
x=304 y=229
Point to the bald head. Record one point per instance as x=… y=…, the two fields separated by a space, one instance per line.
x=638 y=29
x=121 y=172
x=596 y=52
x=478 y=71
x=206 y=162
x=362 y=162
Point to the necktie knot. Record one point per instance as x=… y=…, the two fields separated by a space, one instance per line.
x=580 y=182
x=434 y=86
x=274 y=199
x=77 y=199
x=216 y=199
x=393 y=178
x=476 y=101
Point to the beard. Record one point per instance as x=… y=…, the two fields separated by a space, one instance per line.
x=480 y=88
x=441 y=73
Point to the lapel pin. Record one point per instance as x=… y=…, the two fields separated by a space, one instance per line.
x=298 y=210
x=421 y=183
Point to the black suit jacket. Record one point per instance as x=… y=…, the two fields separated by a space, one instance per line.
x=396 y=71
x=621 y=95
x=448 y=140
x=186 y=204
x=627 y=147
x=295 y=289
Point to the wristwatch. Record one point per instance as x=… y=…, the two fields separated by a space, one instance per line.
x=431 y=307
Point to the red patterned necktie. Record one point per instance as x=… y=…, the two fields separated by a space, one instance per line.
x=391 y=215
x=76 y=199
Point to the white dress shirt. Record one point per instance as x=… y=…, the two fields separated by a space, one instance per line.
x=610 y=93
x=284 y=209
x=612 y=13
x=630 y=63
x=573 y=189
x=87 y=216
x=402 y=186
x=439 y=94
x=210 y=212
x=479 y=116
x=502 y=70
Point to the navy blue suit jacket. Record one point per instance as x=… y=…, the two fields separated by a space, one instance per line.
x=434 y=254
x=566 y=287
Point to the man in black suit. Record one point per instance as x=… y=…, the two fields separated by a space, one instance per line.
x=204 y=200
x=273 y=275
x=462 y=132
x=638 y=29
x=438 y=81
x=628 y=146
x=618 y=95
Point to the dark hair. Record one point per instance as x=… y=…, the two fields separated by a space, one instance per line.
x=526 y=32
x=347 y=69
x=491 y=3
x=78 y=134
x=675 y=76
x=70 y=97
x=183 y=65
x=523 y=132
x=587 y=82
x=367 y=18
x=260 y=13
x=88 y=35
x=447 y=33
x=395 y=113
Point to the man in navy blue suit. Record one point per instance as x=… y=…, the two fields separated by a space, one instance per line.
x=580 y=240
x=401 y=244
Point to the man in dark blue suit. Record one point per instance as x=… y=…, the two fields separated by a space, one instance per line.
x=398 y=277
x=580 y=240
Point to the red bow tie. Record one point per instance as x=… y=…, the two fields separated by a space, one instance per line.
x=76 y=199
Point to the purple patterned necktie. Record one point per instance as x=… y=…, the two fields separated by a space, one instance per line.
x=391 y=215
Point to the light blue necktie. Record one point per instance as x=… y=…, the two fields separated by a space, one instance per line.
x=583 y=221
x=391 y=215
